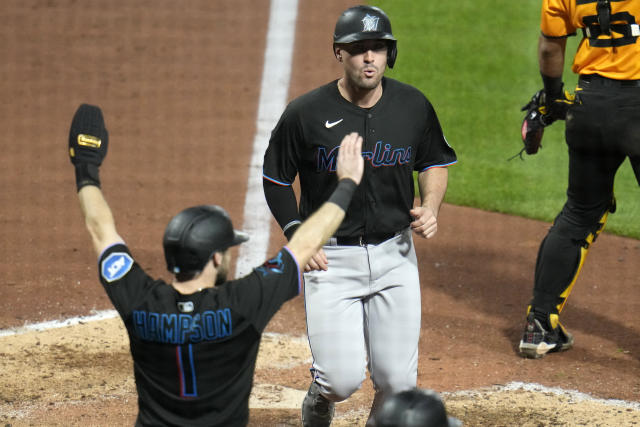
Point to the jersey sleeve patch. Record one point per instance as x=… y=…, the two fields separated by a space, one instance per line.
x=273 y=266
x=115 y=266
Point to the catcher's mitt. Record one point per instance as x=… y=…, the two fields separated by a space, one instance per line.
x=541 y=112
x=534 y=122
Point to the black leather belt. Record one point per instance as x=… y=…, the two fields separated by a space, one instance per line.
x=371 y=239
x=593 y=79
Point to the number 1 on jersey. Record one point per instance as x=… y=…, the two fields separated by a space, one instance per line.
x=186 y=371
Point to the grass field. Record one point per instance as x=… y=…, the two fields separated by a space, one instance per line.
x=477 y=63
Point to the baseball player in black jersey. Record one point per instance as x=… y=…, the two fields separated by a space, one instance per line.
x=194 y=341
x=362 y=291
x=602 y=130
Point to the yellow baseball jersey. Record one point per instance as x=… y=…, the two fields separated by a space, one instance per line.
x=616 y=56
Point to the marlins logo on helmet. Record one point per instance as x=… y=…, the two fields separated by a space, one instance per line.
x=370 y=23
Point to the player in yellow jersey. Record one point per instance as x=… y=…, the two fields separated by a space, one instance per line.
x=602 y=130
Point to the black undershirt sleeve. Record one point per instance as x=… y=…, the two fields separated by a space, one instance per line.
x=283 y=205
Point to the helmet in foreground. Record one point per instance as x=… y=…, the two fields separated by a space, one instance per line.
x=415 y=408
x=195 y=234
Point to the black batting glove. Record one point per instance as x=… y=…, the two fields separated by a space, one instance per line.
x=88 y=142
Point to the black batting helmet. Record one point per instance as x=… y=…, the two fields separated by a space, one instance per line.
x=414 y=408
x=195 y=234
x=366 y=23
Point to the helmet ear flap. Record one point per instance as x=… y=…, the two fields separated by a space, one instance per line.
x=392 y=53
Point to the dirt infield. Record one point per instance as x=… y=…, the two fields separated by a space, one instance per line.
x=63 y=387
x=179 y=88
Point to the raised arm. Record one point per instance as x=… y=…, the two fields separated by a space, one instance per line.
x=88 y=142
x=98 y=218
x=317 y=229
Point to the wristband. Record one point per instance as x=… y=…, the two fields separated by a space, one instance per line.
x=87 y=174
x=552 y=86
x=342 y=194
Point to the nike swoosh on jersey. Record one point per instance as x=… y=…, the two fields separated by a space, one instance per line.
x=329 y=125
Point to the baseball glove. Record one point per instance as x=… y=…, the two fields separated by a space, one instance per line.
x=534 y=122
x=542 y=111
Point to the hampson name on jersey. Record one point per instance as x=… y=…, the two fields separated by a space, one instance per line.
x=381 y=156
x=182 y=328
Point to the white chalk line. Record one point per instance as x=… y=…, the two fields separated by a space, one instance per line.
x=574 y=395
x=61 y=323
x=276 y=75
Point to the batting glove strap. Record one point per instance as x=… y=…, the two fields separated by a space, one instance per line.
x=87 y=174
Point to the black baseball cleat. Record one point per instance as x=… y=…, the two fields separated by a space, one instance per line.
x=317 y=410
x=537 y=341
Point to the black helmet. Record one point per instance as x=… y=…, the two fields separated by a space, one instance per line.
x=415 y=408
x=195 y=234
x=366 y=23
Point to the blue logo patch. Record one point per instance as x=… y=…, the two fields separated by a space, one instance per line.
x=115 y=266
x=274 y=265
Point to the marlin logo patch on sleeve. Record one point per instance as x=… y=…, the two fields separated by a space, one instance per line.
x=274 y=265
x=115 y=266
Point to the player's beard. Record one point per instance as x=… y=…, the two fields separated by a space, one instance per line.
x=221 y=277
x=223 y=268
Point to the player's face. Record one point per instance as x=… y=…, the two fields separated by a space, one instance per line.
x=364 y=62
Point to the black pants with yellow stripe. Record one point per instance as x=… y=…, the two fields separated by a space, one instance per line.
x=602 y=130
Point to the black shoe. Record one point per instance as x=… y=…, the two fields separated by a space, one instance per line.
x=317 y=410
x=538 y=340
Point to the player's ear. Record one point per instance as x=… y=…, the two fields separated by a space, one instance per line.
x=217 y=259
x=337 y=52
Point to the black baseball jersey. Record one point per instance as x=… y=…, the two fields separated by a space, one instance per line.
x=194 y=355
x=401 y=134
